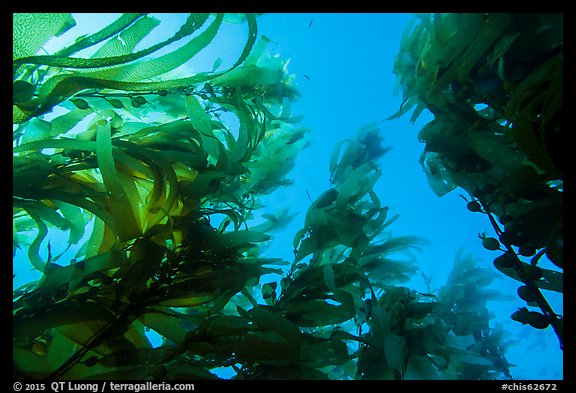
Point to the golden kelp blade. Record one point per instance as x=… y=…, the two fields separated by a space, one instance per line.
x=122 y=209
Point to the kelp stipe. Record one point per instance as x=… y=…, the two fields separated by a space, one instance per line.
x=494 y=83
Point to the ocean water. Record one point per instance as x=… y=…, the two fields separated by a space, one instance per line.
x=342 y=64
x=348 y=58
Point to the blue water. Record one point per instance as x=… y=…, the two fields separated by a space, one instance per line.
x=349 y=60
x=343 y=69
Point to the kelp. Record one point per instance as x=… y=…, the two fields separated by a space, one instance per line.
x=161 y=212
x=493 y=83
x=398 y=333
x=139 y=193
x=129 y=74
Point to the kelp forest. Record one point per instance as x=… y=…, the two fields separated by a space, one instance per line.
x=155 y=179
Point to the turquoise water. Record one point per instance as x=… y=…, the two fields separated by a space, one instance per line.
x=342 y=64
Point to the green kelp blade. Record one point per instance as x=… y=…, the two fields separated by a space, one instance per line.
x=143 y=262
x=161 y=169
x=124 y=21
x=225 y=326
x=42 y=214
x=116 y=53
x=250 y=75
x=37 y=130
x=335 y=158
x=418 y=111
x=165 y=324
x=495 y=150
x=133 y=357
x=551 y=280
x=235 y=217
x=22 y=91
x=293 y=372
x=77 y=193
x=252 y=35
x=137 y=335
x=60 y=315
x=406 y=105
x=529 y=140
x=395 y=351
x=282 y=117
x=32 y=30
x=45 y=211
x=438 y=177
x=64 y=123
x=358 y=183
x=73 y=274
x=407 y=33
x=125 y=42
x=201 y=121
x=60 y=87
x=58 y=349
x=493 y=28
x=161 y=65
x=33 y=249
x=63 y=143
x=318 y=280
x=241 y=238
x=345 y=298
x=29 y=363
x=242 y=147
x=322 y=353
x=269 y=320
x=554 y=101
x=181 y=299
x=470 y=25
x=467 y=27
x=532 y=84
x=138 y=171
x=123 y=210
x=265 y=348
x=134 y=373
x=183 y=370
x=318 y=312
x=307 y=246
x=534 y=97
x=445 y=26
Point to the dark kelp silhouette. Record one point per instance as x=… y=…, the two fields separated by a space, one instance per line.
x=171 y=172
x=494 y=83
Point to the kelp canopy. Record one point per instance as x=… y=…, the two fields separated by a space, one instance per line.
x=494 y=83
x=169 y=172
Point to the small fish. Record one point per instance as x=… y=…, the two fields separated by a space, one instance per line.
x=310 y=25
x=309 y=197
x=307 y=77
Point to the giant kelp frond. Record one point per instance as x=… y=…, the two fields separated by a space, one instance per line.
x=169 y=171
x=56 y=78
x=110 y=54
x=494 y=83
x=446 y=335
x=140 y=162
x=345 y=278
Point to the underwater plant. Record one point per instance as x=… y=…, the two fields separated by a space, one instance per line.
x=147 y=161
x=494 y=84
x=165 y=174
